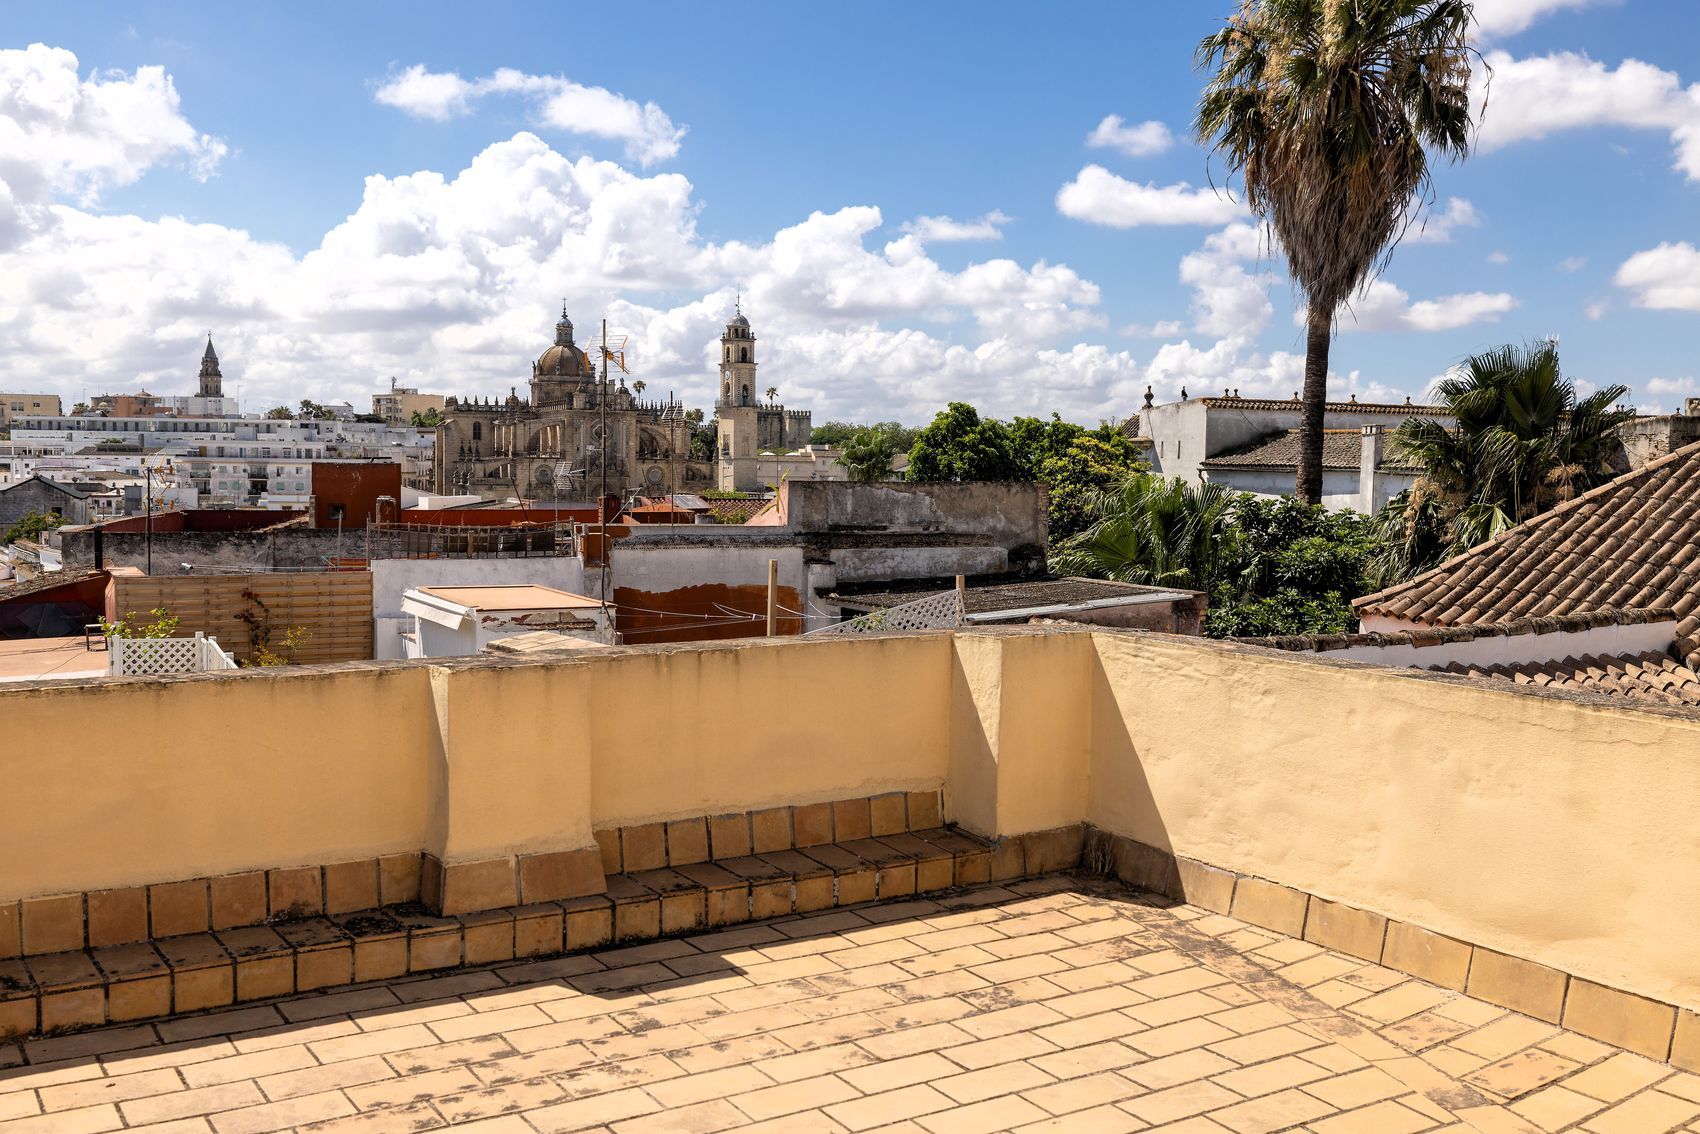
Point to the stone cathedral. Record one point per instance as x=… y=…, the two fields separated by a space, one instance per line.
x=550 y=446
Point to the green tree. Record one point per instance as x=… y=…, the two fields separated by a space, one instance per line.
x=161 y=624
x=1089 y=466
x=427 y=418
x=32 y=526
x=1296 y=569
x=1326 y=110
x=80 y=408
x=314 y=411
x=704 y=433
x=868 y=452
x=1154 y=530
x=281 y=413
x=834 y=433
x=1524 y=442
x=960 y=445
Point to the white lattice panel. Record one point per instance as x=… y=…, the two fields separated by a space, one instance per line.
x=942 y=611
x=141 y=657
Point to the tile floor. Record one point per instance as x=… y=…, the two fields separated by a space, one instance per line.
x=1055 y=1004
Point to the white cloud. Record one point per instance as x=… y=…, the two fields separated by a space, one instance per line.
x=1669 y=395
x=61 y=134
x=1498 y=257
x=1384 y=306
x=450 y=282
x=1139 y=140
x=1572 y=263
x=1162 y=329
x=1665 y=278
x=1597 y=309
x=1227 y=300
x=649 y=135
x=1507 y=17
x=1535 y=97
x=937 y=230
x=1100 y=197
x=1437 y=226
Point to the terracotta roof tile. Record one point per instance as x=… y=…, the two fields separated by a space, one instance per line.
x=1632 y=542
x=1653 y=676
x=1341 y=449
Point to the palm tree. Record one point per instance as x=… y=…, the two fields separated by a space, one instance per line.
x=772 y=392
x=1524 y=442
x=1326 y=108
x=1154 y=530
x=639 y=386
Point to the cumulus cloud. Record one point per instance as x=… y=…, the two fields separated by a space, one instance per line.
x=1572 y=263
x=939 y=230
x=1438 y=226
x=1507 y=17
x=1100 y=197
x=1665 y=278
x=1542 y=95
x=1498 y=257
x=1141 y=139
x=62 y=134
x=451 y=282
x=1227 y=300
x=1384 y=306
x=649 y=135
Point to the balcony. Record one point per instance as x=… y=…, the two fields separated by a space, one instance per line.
x=971 y=881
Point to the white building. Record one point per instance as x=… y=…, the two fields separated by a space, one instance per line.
x=458 y=621
x=1251 y=445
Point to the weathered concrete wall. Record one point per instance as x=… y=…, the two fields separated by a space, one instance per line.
x=689 y=590
x=283 y=547
x=1649 y=438
x=37 y=495
x=1008 y=514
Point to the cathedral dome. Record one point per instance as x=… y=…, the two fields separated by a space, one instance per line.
x=564 y=360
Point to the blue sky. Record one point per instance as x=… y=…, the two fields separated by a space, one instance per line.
x=1580 y=217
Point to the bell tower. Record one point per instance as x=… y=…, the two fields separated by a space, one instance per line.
x=737 y=362
x=212 y=382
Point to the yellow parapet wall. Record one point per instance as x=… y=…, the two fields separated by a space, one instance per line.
x=1555 y=829
x=1561 y=830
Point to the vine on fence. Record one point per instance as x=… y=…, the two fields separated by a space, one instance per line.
x=259 y=622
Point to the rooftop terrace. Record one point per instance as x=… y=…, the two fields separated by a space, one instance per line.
x=1045 y=1005
x=900 y=895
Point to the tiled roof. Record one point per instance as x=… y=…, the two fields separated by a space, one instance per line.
x=1341 y=449
x=1633 y=542
x=1442 y=635
x=1652 y=676
x=1333 y=407
x=986 y=594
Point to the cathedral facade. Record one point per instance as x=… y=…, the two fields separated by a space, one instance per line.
x=554 y=445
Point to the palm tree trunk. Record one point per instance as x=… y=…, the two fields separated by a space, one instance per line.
x=1308 y=484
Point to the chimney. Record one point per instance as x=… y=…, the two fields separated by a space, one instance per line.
x=1372 y=445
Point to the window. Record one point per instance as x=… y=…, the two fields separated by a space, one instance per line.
x=744 y=354
x=478 y=431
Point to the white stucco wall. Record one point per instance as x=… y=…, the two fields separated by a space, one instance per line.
x=390 y=577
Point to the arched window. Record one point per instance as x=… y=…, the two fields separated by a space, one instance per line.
x=478 y=431
x=746 y=393
x=744 y=354
x=728 y=354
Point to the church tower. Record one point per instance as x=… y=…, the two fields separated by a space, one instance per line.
x=737 y=363
x=212 y=382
